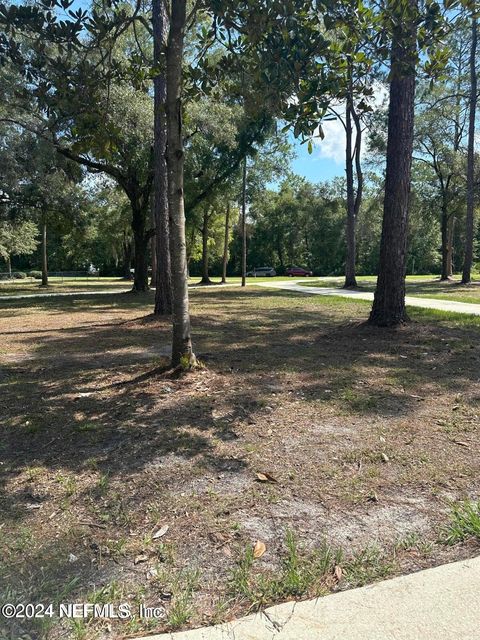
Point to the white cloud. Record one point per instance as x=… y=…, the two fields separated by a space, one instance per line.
x=332 y=147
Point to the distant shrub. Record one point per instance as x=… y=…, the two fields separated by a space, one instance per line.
x=35 y=274
x=19 y=274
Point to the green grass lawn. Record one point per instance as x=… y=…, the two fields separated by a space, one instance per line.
x=426 y=286
x=58 y=284
x=80 y=284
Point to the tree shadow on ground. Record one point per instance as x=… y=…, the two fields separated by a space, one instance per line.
x=63 y=412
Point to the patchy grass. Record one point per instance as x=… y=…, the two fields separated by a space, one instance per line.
x=29 y=286
x=300 y=573
x=416 y=286
x=464 y=522
x=368 y=434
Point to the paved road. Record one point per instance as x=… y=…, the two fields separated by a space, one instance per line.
x=424 y=303
x=436 y=604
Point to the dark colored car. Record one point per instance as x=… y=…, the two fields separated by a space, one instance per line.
x=298 y=272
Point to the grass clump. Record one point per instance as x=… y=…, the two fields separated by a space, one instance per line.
x=184 y=585
x=464 y=522
x=301 y=573
x=366 y=566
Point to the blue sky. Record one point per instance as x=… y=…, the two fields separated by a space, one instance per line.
x=327 y=160
x=321 y=165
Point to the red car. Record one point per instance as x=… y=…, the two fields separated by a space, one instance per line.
x=298 y=272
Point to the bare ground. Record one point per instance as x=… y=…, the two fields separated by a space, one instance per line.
x=369 y=436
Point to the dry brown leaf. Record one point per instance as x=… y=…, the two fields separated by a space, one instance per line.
x=338 y=573
x=461 y=443
x=161 y=532
x=259 y=549
x=140 y=558
x=266 y=477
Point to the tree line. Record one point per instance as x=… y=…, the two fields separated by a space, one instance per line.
x=177 y=104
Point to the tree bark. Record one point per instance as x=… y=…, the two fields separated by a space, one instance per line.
x=182 y=351
x=467 y=264
x=244 y=221
x=153 y=260
x=205 y=277
x=127 y=256
x=140 y=240
x=350 y=279
x=389 y=302
x=225 y=244
x=447 y=226
x=163 y=293
x=44 y=255
x=9 y=266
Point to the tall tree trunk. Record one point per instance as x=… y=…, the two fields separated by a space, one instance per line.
x=467 y=264
x=451 y=233
x=163 y=293
x=389 y=302
x=444 y=230
x=205 y=277
x=140 y=241
x=447 y=227
x=182 y=351
x=359 y=178
x=127 y=256
x=9 y=266
x=280 y=252
x=153 y=254
x=191 y=247
x=244 y=222
x=225 y=244
x=44 y=254
x=350 y=279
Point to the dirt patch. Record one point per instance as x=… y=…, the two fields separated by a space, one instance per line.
x=368 y=436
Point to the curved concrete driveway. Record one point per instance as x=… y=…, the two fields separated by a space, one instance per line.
x=424 y=303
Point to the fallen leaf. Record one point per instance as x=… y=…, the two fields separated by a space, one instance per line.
x=338 y=572
x=140 y=558
x=217 y=537
x=152 y=573
x=161 y=532
x=266 y=477
x=461 y=443
x=385 y=458
x=259 y=549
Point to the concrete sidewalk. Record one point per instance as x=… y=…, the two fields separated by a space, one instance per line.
x=411 y=301
x=436 y=604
